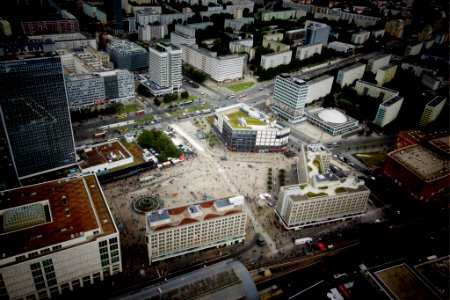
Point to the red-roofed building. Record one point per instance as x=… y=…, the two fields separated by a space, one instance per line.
x=185 y=229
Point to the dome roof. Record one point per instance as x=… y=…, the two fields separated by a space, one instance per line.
x=332 y=116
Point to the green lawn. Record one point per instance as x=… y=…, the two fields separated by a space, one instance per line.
x=129 y=109
x=372 y=159
x=240 y=86
x=193 y=98
x=190 y=110
x=233 y=119
x=145 y=119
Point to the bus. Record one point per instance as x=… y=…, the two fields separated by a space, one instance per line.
x=100 y=135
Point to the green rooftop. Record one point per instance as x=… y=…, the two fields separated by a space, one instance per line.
x=233 y=119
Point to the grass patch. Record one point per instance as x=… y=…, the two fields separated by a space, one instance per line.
x=323 y=187
x=240 y=86
x=210 y=120
x=340 y=190
x=312 y=195
x=372 y=159
x=233 y=118
x=302 y=186
x=129 y=109
x=145 y=119
x=134 y=163
x=190 y=110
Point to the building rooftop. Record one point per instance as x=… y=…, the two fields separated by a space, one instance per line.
x=376 y=86
x=436 y=101
x=42 y=216
x=101 y=154
x=392 y=101
x=178 y=216
x=422 y=162
x=125 y=46
x=387 y=67
x=352 y=67
x=242 y=116
x=224 y=280
x=332 y=116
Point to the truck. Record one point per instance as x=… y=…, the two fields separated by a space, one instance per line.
x=302 y=241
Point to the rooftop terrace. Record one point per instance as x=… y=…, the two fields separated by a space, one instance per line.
x=178 y=216
x=101 y=154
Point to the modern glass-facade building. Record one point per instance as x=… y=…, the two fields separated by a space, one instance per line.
x=316 y=32
x=290 y=97
x=128 y=55
x=35 y=115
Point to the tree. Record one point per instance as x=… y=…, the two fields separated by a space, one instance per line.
x=184 y=95
x=157 y=102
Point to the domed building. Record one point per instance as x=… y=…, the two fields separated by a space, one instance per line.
x=331 y=120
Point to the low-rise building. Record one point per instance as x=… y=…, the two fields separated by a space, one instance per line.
x=341 y=47
x=377 y=33
x=331 y=121
x=53 y=42
x=323 y=198
x=296 y=36
x=242 y=128
x=432 y=110
x=417 y=69
x=276 y=59
x=186 y=229
x=304 y=52
x=220 y=68
x=244 y=45
x=348 y=75
x=388 y=111
x=57 y=237
x=385 y=74
x=377 y=62
x=103 y=157
x=366 y=88
x=275 y=45
x=419 y=171
x=360 y=37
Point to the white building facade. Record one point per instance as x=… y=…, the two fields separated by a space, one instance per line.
x=360 y=37
x=388 y=111
x=385 y=74
x=432 y=110
x=366 y=88
x=222 y=68
x=276 y=59
x=347 y=76
x=182 y=230
x=377 y=62
x=165 y=65
x=304 y=52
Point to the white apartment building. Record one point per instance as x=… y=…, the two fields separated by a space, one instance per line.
x=244 y=45
x=304 y=52
x=57 y=237
x=385 y=74
x=413 y=50
x=360 y=37
x=165 y=65
x=377 y=33
x=388 y=111
x=319 y=87
x=377 y=62
x=178 y=39
x=222 y=68
x=341 y=47
x=322 y=198
x=148 y=32
x=348 y=75
x=186 y=229
x=85 y=90
x=272 y=42
x=432 y=110
x=283 y=15
x=65 y=40
x=237 y=24
x=373 y=90
x=417 y=69
x=276 y=59
x=146 y=17
x=291 y=94
x=430 y=82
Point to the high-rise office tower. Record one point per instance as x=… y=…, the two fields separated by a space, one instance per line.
x=114 y=13
x=165 y=65
x=35 y=116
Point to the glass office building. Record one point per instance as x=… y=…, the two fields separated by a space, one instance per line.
x=35 y=115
